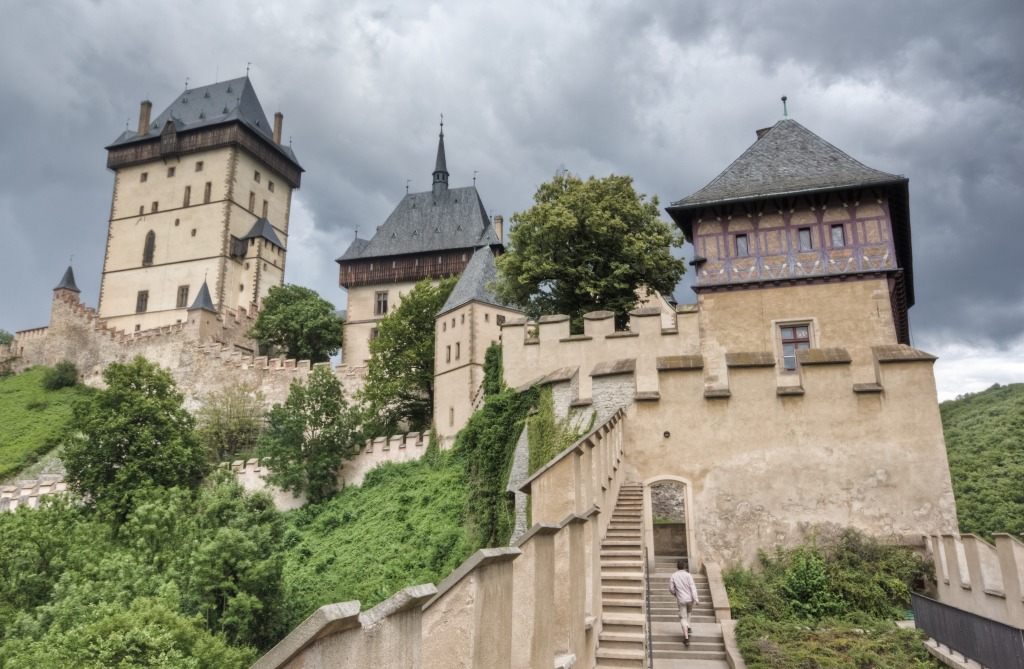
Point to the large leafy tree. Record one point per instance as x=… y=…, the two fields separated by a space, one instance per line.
x=132 y=436
x=299 y=322
x=587 y=246
x=309 y=436
x=400 y=375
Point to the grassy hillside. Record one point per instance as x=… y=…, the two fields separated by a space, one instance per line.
x=31 y=418
x=985 y=441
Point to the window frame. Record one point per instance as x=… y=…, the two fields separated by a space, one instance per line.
x=142 y=302
x=799 y=343
x=183 y=297
x=746 y=245
x=841 y=229
x=380 y=303
x=800 y=239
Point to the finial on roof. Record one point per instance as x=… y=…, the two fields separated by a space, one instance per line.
x=247 y=70
x=407 y=186
x=785 y=112
x=186 y=84
x=474 y=176
x=203 y=300
x=441 y=166
x=442 y=125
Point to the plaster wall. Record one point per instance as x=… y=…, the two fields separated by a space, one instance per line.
x=973 y=575
x=360 y=319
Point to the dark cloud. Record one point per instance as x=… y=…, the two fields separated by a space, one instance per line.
x=670 y=97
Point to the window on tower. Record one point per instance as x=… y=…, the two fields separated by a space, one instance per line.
x=188 y=196
x=805 y=239
x=270 y=186
x=252 y=201
x=141 y=301
x=257 y=176
x=206 y=192
x=838 y=236
x=148 y=249
x=794 y=338
x=182 y=297
x=199 y=166
x=381 y=303
x=265 y=205
x=170 y=171
x=742 y=246
x=144 y=177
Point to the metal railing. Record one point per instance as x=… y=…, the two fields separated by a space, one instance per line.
x=648 y=640
x=986 y=641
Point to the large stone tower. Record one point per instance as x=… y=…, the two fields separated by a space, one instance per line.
x=201 y=193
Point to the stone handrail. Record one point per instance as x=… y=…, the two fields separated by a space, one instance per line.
x=973 y=575
x=723 y=614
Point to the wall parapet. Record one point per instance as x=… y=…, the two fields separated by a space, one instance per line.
x=28 y=493
x=973 y=575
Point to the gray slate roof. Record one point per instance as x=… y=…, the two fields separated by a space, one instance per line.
x=203 y=300
x=263 y=228
x=68 y=282
x=421 y=223
x=786 y=160
x=223 y=102
x=472 y=285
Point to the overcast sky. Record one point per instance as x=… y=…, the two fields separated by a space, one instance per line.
x=669 y=93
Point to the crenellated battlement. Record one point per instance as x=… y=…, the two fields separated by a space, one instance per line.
x=27 y=493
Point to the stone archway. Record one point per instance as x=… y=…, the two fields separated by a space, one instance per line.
x=670 y=498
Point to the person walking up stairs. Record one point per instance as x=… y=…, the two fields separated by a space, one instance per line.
x=621 y=644
x=706 y=649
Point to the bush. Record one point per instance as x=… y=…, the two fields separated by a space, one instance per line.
x=62 y=375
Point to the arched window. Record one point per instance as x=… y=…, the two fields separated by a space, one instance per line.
x=147 y=252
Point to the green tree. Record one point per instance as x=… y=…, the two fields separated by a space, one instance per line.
x=131 y=436
x=62 y=375
x=309 y=435
x=5 y=337
x=400 y=376
x=230 y=422
x=587 y=246
x=298 y=321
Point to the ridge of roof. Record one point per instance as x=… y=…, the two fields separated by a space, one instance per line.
x=787 y=159
x=263 y=228
x=473 y=284
x=67 y=282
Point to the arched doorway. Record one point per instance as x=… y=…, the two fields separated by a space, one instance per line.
x=668 y=520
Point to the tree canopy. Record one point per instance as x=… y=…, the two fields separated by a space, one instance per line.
x=587 y=246
x=299 y=322
x=5 y=337
x=309 y=436
x=400 y=375
x=131 y=436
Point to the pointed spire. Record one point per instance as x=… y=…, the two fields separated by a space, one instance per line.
x=68 y=282
x=441 y=166
x=203 y=300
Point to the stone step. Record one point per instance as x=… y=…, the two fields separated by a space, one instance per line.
x=623 y=553
x=690 y=654
x=618 y=563
x=622 y=602
x=621 y=653
x=635 y=637
x=626 y=619
x=610 y=543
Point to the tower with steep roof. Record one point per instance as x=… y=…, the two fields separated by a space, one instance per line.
x=201 y=193
x=432 y=234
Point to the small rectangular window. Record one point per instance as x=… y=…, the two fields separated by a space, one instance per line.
x=270 y=186
x=838 y=236
x=487 y=318
x=182 y=297
x=381 y=303
x=144 y=177
x=257 y=176
x=141 y=301
x=805 y=239
x=374 y=333
x=188 y=196
x=448 y=353
x=199 y=166
x=265 y=205
x=252 y=201
x=155 y=207
x=458 y=350
x=170 y=171
x=207 y=191
x=451 y=415
x=742 y=249
x=794 y=338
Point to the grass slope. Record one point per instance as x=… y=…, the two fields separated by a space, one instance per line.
x=985 y=442
x=31 y=418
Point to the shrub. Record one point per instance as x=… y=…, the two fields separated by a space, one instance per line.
x=62 y=375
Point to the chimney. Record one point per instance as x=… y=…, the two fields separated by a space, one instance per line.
x=278 y=122
x=761 y=132
x=144 y=110
x=499 y=227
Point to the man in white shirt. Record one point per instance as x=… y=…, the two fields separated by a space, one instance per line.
x=682 y=586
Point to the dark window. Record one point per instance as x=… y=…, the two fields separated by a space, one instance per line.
x=794 y=338
x=805 y=239
x=206 y=192
x=381 y=306
x=155 y=207
x=448 y=353
x=838 y=236
x=252 y=201
x=199 y=166
x=742 y=248
x=147 y=250
x=193 y=232
x=270 y=186
x=170 y=171
x=458 y=349
x=374 y=333
x=144 y=177
x=265 y=205
x=141 y=301
x=182 y=297
x=487 y=318
x=257 y=177
x=188 y=196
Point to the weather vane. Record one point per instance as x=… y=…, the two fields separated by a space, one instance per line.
x=71 y=258
x=407 y=186
x=247 y=65
x=785 y=113
x=474 y=176
x=186 y=83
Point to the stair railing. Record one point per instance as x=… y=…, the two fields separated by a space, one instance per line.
x=648 y=638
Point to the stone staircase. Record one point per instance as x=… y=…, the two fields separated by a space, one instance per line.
x=621 y=644
x=707 y=649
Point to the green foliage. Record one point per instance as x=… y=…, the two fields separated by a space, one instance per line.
x=5 y=337
x=486 y=445
x=985 y=442
x=190 y=579
x=494 y=373
x=400 y=375
x=404 y=526
x=587 y=246
x=807 y=586
x=63 y=375
x=132 y=436
x=32 y=419
x=230 y=423
x=298 y=321
x=855 y=643
x=549 y=435
x=309 y=436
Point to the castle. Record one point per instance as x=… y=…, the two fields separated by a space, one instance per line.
x=787 y=397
